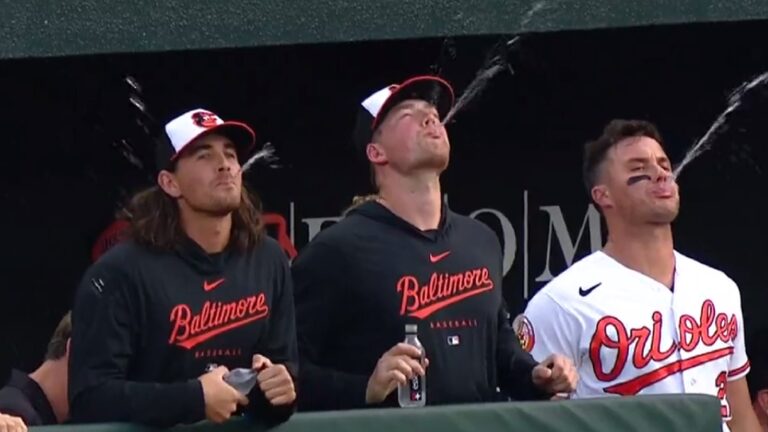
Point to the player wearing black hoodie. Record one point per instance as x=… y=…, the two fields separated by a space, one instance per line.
x=197 y=285
x=406 y=258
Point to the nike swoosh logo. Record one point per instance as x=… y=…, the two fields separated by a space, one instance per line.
x=212 y=285
x=435 y=258
x=585 y=292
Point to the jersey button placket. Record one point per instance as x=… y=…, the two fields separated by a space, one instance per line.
x=686 y=379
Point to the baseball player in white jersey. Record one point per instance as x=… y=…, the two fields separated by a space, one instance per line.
x=638 y=317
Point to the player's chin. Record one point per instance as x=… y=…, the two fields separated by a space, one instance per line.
x=664 y=215
x=438 y=159
x=224 y=204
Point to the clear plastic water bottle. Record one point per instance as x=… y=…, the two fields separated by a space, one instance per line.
x=414 y=393
x=242 y=380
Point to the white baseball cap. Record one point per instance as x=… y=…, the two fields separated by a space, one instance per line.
x=191 y=125
x=374 y=109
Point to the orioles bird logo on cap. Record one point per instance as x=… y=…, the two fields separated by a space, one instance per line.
x=204 y=119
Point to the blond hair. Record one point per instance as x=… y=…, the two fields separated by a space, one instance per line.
x=359 y=200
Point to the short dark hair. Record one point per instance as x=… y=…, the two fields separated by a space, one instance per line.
x=57 y=346
x=614 y=132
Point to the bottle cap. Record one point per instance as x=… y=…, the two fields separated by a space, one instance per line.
x=411 y=328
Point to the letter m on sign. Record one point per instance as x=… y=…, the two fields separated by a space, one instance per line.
x=568 y=247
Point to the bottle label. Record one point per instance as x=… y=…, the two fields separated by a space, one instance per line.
x=415 y=389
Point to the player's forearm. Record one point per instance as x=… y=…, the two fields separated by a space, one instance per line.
x=159 y=405
x=267 y=414
x=744 y=418
x=260 y=408
x=744 y=425
x=517 y=380
x=516 y=368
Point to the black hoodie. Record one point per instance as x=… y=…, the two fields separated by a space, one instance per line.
x=146 y=324
x=360 y=281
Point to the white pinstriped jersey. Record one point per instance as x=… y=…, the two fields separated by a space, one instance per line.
x=628 y=334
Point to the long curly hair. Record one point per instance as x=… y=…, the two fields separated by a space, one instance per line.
x=156 y=224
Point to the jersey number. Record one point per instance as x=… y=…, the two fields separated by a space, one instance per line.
x=721 y=382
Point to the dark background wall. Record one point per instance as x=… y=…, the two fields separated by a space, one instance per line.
x=63 y=179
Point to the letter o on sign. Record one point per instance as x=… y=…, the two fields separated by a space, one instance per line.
x=509 y=239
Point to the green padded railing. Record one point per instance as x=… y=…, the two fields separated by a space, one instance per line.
x=39 y=28
x=690 y=413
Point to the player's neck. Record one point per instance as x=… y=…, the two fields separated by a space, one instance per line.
x=648 y=250
x=51 y=377
x=210 y=232
x=414 y=199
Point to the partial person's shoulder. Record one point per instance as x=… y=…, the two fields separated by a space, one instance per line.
x=14 y=402
x=346 y=234
x=477 y=229
x=709 y=276
x=118 y=270
x=340 y=232
x=334 y=239
x=325 y=249
x=271 y=249
x=124 y=256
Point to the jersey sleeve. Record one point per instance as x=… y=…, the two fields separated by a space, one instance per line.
x=515 y=365
x=547 y=328
x=739 y=364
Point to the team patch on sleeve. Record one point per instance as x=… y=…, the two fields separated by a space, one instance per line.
x=524 y=330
